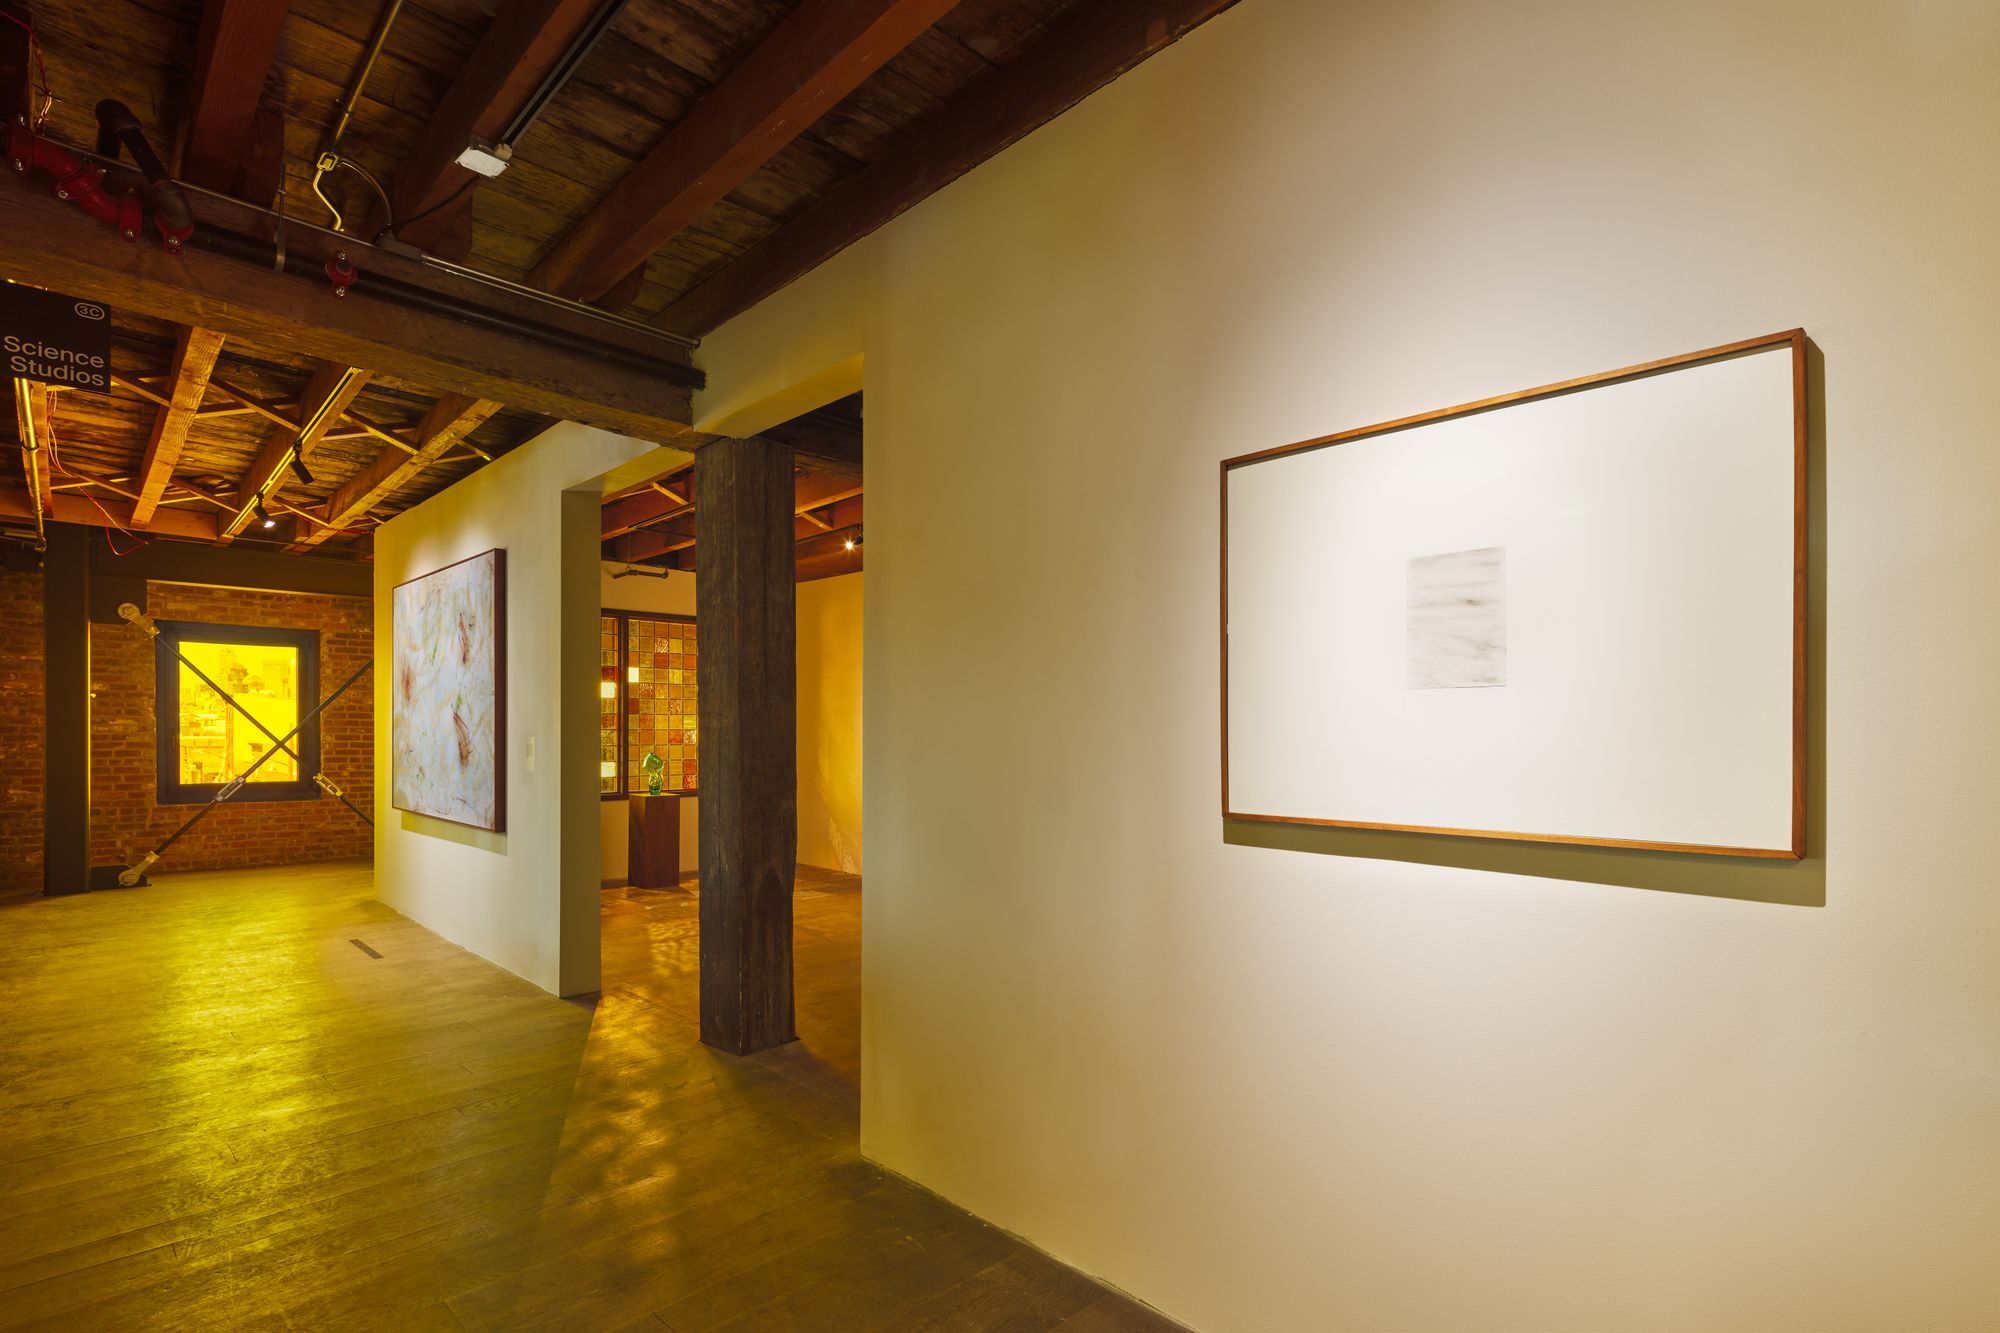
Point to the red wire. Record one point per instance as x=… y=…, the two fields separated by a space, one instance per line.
x=41 y=69
x=112 y=525
x=56 y=464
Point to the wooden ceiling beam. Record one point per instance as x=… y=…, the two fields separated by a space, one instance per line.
x=828 y=564
x=520 y=48
x=194 y=362
x=50 y=244
x=634 y=511
x=1101 y=40
x=449 y=421
x=650 y=543
x=679 y=536
x=280 y=414
x=835 y=518
x=820 y=444
x=31 y=423
x=823 y=488
x=332 y=388
x=235 y=48
x=811 y=491
x=820 y=53
x=14 y=503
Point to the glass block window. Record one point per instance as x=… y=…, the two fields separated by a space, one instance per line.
x=647 y=701
x=609 y=704
x=660 y=700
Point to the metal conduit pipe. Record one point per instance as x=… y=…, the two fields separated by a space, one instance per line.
x=329 y=155
x=31 y=446
x=265 y=255
x=355 y=244
x=82 y=184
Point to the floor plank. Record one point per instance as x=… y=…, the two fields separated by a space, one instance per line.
x=217 y=1112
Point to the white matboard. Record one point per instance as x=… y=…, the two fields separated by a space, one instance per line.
x=1573 y=614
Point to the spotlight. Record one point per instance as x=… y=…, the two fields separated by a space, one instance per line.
x=299 y=470
x=263 y=514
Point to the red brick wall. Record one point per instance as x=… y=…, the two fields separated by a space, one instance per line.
x=20 y=730
x=126 y=819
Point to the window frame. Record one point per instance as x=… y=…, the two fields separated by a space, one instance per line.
x=623 y=790
x=167 y=710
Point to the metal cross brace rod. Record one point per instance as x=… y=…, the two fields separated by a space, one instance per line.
x=145 y=622
x=133 y=874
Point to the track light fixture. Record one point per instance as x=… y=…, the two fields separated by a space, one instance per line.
x=263 y=514
x=299 y=470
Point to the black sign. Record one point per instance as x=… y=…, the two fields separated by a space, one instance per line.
x=54 y=338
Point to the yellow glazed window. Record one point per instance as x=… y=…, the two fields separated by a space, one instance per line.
x=230 y=698
x=218 y=742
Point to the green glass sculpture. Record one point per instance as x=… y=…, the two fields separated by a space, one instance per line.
x=654 y=766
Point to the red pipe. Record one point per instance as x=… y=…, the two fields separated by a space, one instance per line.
x=82 y=183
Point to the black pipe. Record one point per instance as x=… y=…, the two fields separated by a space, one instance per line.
x=117 y=125
x=263 y=254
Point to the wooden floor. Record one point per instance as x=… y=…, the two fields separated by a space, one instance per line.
x=217 y=1111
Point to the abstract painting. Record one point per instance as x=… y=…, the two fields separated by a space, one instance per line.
x=1569 y=614
x=1456 y=616
x=448 y=692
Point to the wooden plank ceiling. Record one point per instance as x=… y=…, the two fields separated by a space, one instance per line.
x=698 y=156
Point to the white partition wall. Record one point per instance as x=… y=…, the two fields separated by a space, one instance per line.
x=1271 y=1077
x=526 y=898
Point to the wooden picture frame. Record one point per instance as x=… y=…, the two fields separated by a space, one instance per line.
x=1787 y=750
x=469 y=787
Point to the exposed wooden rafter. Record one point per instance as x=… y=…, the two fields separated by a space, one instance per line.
x=645 y=508
x=821 y=52
x=447 y=423
x=229 y=145
x=194 y=362
x=14 y=503
x=650 y=543
x=820 y=441
x=1101 y=41
x=677 y=537
x=815 y=489
x=51 y=244
x=519 y=49
x=332 y=388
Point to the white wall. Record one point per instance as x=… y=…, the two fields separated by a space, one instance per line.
x=829 y=740
x=525 y=898
x=1291 y=1081
x=670 y=596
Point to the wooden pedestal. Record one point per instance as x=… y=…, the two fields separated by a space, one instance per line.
x=654 y=842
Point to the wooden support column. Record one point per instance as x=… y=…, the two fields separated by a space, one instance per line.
x=748 y=717
x=66 y=705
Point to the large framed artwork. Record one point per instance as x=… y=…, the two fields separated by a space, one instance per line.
x=1574 y=614
x=448 y=693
